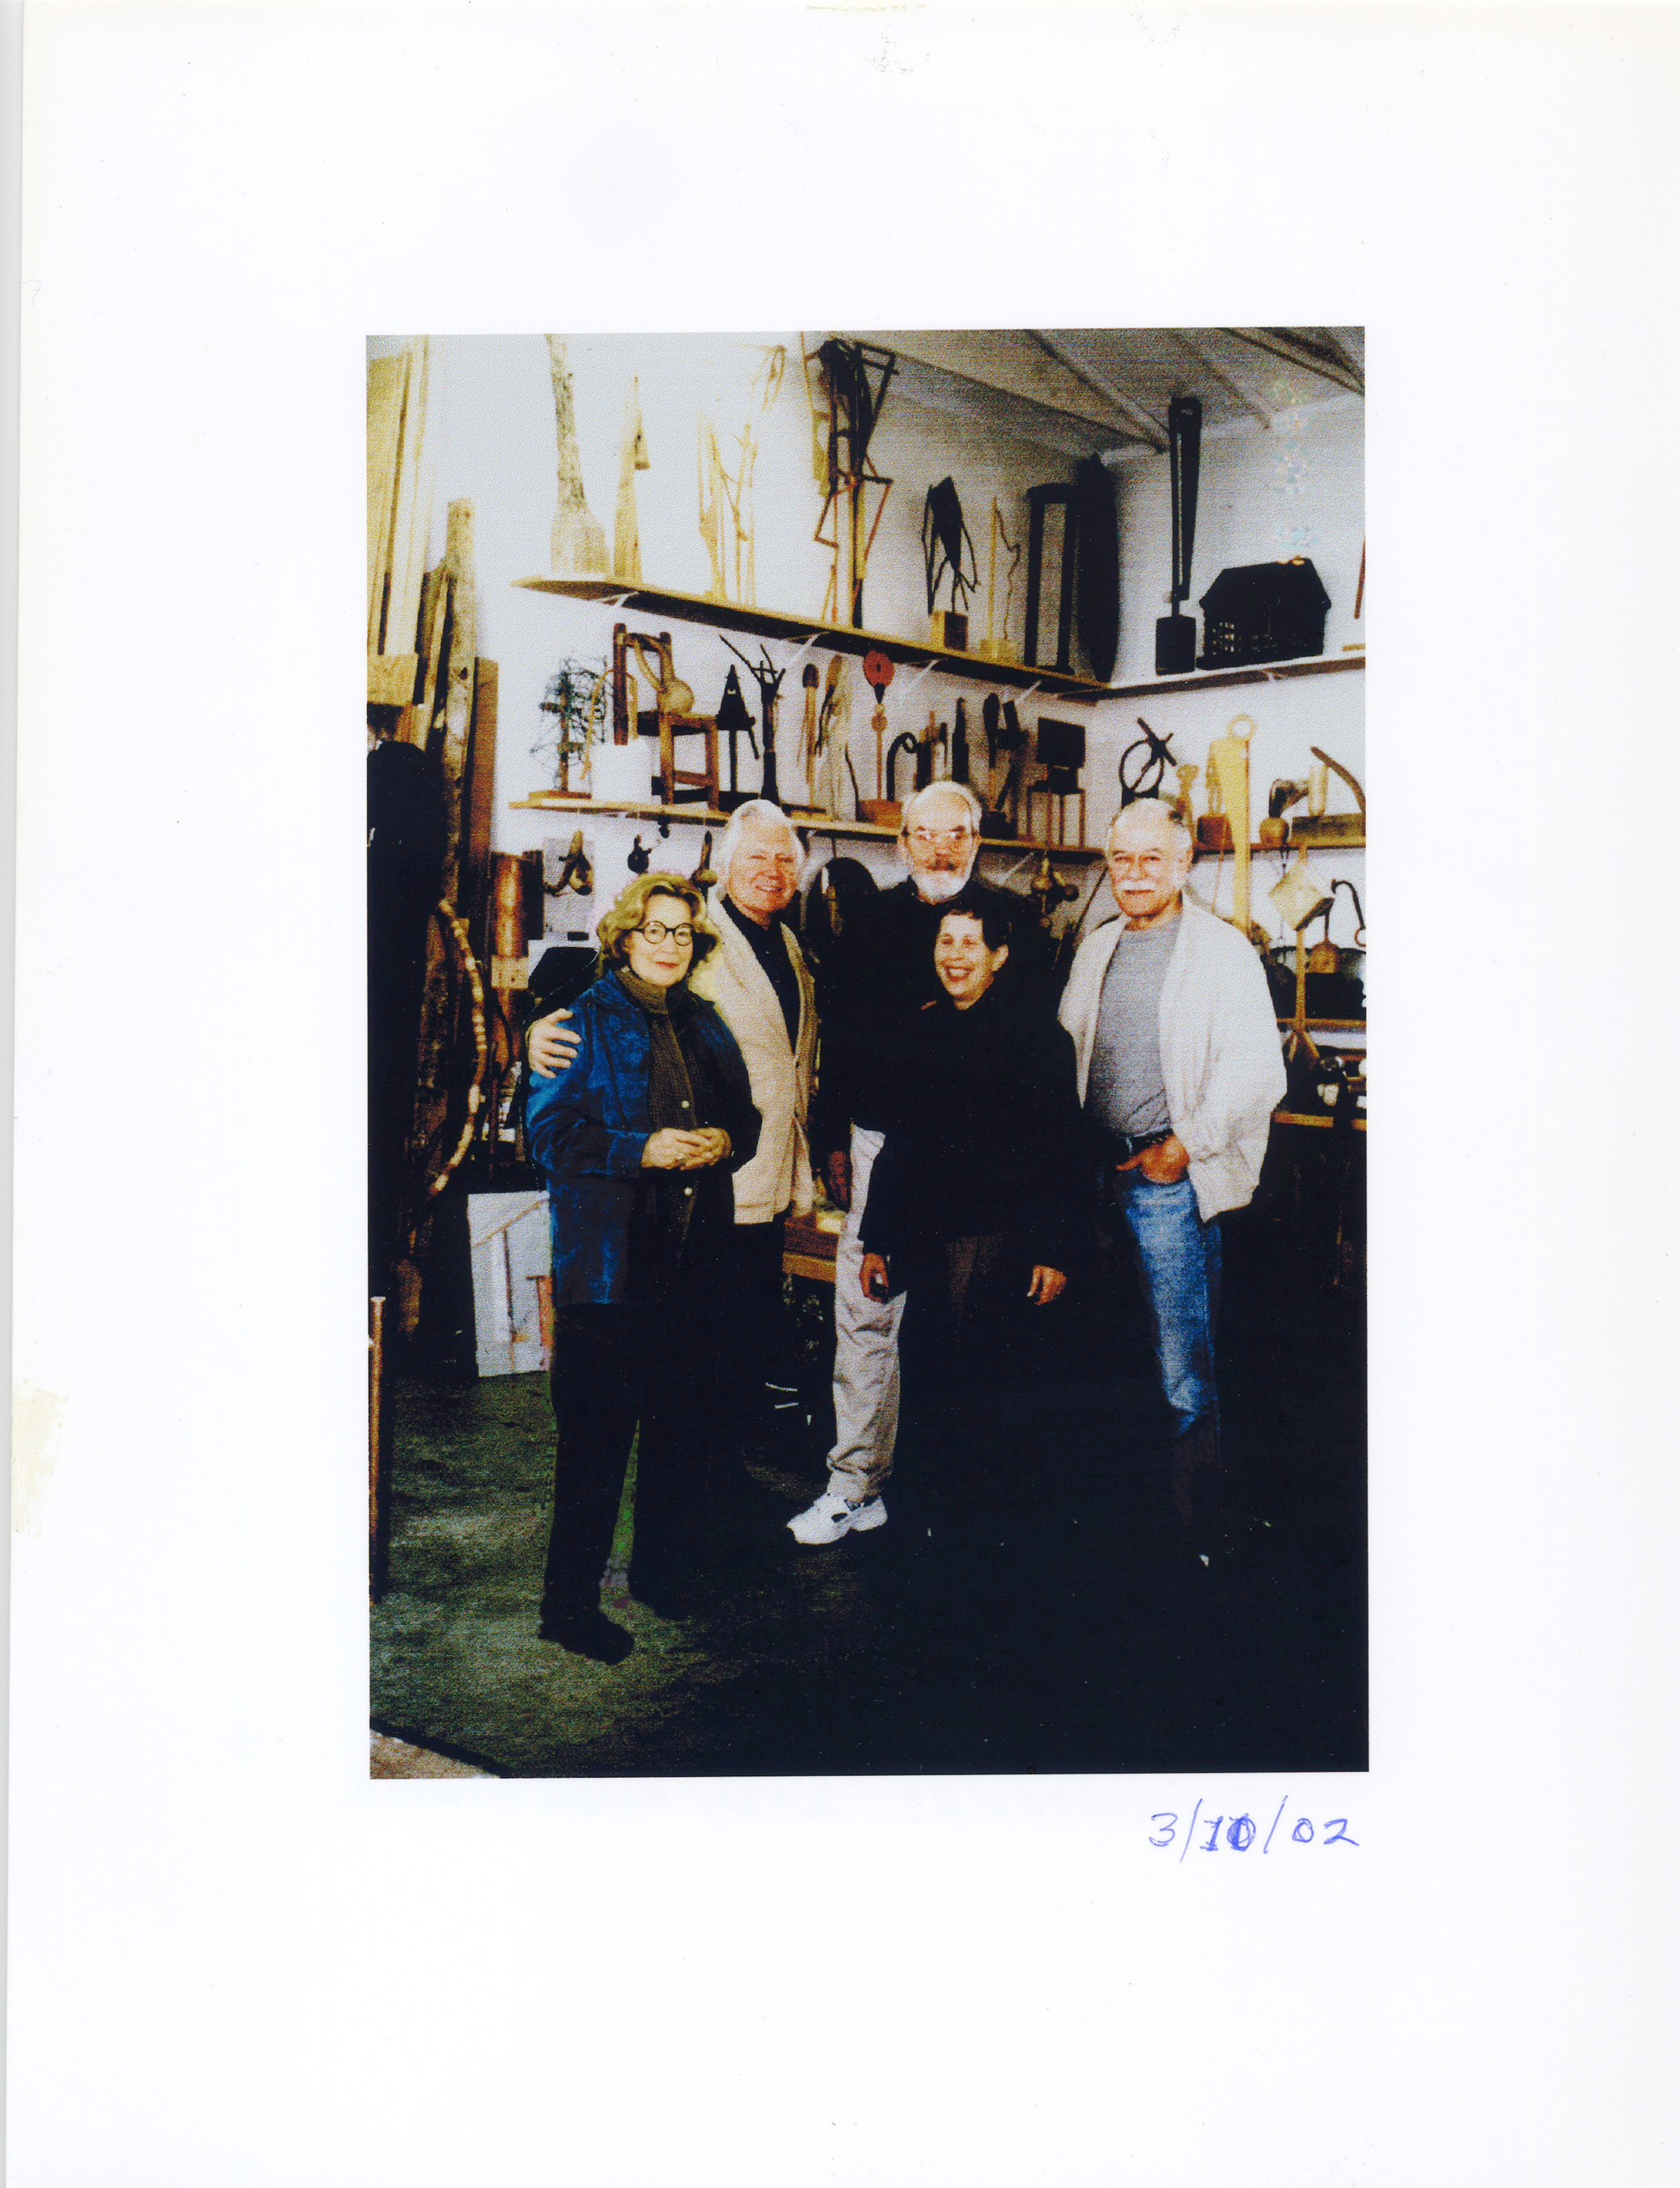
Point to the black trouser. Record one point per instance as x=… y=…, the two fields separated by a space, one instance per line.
x=617 y=1368
x=759 y=1336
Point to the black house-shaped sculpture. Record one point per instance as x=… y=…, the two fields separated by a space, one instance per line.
x=1263 y=612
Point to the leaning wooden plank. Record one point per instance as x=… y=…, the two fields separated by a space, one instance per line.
x=387 y=380
x=433 y=616
x=390 y=679
x=456 y=700
x=481 y=806
x=411 y=523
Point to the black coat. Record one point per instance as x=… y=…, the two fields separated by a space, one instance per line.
x=984 y=1135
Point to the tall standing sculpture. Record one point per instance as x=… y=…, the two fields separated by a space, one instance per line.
x=576 y=544
x=727 y=523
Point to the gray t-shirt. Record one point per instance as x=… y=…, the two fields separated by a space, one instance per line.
x=1125 y=1091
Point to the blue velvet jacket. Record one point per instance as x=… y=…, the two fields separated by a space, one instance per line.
x=587 y=1126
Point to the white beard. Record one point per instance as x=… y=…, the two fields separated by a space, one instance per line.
x=940 y=889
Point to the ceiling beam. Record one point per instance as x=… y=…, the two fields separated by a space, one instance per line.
x=1012 y=361
x=1294 y=349
x=1149 y=429
x=1220 y=378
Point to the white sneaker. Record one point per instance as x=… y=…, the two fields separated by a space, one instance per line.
x=831 y=1516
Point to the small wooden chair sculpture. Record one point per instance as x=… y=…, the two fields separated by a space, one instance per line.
x=671 y=716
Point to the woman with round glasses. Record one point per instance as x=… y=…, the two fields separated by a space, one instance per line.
x=637 y=1137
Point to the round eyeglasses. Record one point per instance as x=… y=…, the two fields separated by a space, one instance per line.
x=656 y=932
x=939 y=839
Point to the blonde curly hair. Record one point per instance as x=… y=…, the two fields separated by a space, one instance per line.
x=612 y=927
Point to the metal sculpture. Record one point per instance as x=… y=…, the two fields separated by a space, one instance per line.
x=768 y=679
x=959 y=744
x=1039 y=499
x=1143 y=765
x=944 y=543
x=878 y=672
x=576 y=696
x=1175 y=634
x=633 y=457
x=733 y=721
x=907 y=742
x=845 y=409
x=576 y=544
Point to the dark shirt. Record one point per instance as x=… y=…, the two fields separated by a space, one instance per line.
x=878 y=976
x=770 y=947
x=985 y=1134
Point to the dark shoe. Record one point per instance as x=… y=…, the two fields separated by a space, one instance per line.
x=587 y=1633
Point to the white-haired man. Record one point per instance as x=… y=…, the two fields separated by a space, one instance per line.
x=1180 y=1068
x=762 y=988
x=880 y=976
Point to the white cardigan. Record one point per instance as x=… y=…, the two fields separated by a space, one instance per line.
x=732 y=978
x=1221 y=1058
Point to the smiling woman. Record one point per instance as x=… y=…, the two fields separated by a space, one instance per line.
x=637 y=1137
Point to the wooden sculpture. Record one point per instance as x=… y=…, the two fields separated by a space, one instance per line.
x=726 y=506
x=671 y=716
x=633 y=457
x=576 y=544
x=1228 y=770
x=995 y=645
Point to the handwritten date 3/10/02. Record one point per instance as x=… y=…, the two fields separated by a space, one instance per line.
x=1239 y=1833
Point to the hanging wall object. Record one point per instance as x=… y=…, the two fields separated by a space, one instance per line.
x=948 y=553
x=734 y=722
x=996 y=645
x=726 y=498
x=846 y=383
x=1143 y=765
x=1175 y=634
x=576 y=544
x=1040 y=500
x=633 y=457
x=568 y=889
x=1096 y=566
x=768 y=679
x=638 y=858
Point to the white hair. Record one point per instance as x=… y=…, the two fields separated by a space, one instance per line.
x=1151 y=809
x=977 y=812
x=767 y=815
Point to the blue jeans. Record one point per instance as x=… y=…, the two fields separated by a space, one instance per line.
x=1178 y=1263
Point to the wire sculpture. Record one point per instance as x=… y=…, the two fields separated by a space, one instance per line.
x=945 y=540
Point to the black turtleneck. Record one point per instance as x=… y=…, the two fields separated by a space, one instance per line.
x=769 y=946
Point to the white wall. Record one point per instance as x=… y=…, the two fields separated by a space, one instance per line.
x=1296 y=488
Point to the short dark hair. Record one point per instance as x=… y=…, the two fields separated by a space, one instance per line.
x=997 y=920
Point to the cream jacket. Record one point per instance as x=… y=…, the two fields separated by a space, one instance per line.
x=1221 y=1056
x=731 y=978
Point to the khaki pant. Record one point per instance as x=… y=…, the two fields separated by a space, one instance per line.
x=865 y=1354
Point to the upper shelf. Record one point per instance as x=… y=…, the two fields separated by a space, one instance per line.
x=815 y=824
x=908 y=653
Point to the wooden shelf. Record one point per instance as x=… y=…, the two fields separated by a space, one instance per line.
x=1312 y=1123
x=909 y=652
x=814 y=824
x=1283 y=851
x=1329 y=1025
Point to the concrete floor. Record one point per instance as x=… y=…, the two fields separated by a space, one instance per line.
x=1049 y=1622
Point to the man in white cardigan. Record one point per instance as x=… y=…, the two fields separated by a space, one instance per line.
x=1180 y=1068
x=761 y=986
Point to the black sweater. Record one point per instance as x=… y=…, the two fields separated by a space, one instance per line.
x=878 y=977
x=984 y=1134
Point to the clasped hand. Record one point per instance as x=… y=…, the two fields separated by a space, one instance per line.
x=672 y=1150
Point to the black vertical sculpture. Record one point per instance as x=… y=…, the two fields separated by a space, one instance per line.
x=1039 y=498
x=1175 y=634
x=769 y=678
